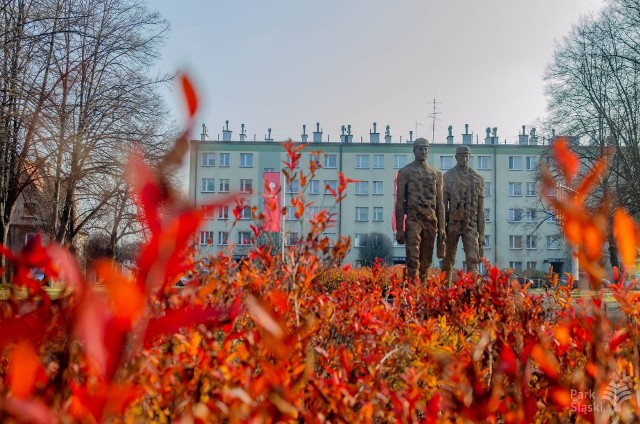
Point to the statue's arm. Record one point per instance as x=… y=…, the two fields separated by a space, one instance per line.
x=440 y=202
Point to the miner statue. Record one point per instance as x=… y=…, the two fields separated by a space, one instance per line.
x=464 y=212
x=419 y=198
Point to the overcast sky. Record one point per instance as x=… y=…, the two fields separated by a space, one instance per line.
x=283 y=63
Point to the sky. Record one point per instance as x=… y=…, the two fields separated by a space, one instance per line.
x=280 y=64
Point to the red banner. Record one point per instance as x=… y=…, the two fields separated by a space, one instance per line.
x=272 y=190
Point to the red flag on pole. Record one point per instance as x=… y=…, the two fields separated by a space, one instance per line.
x=272 y=201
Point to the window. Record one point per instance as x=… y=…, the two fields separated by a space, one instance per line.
x=330 y=160
x=553 y=242
x=223 y=212
x=531 y=215
x=378 y=161
x=362 y=214
x=515 y=163
x=223 y=238
x=206 y=237
x=551 y=218
x=399 y=161
x=516 y=266
x=245 y=213
x=330 y=184
x=487 y=189
x=532 y=189
x=244 y=237
x=292 y=239
x=333 y=213
x=515 y=242
x=532 y=265
x=532 y=242
x=531 y=163
x=362 y=187
x=487 y=242
x=225 y=159
x=377 y=188
x=362 y=161
x=246 y=160
x=312 y=211
x=515 y=215
x=269 y=170
x=377 y=213
x=359 y=240
x=208 y=185
x=484 y=162
x=487 y=214
x=332 y=237
x=208 y=159
x=246 y=186
x=224 y=185
x=515 y=189
x=446 y=162
x=314 y=187
x=293 y=187
x=313 y=158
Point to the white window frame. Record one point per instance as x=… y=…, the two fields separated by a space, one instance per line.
x=516 y=265
x=362 y=188
x=208 y=159
x=360 y=239
x=225 y=160
x=534 y=263
x=531 y=215
x=399 y=161
x=208 y=185
x=531 y=163
x=377 y=214
x=362 y=161
x=515 y=163
x=244 y=238
x=314 y=186
x=293 y=238
x=330 y=161
x=246 y=185
x=514 y=241
x=224 y=185
x=531 y=242
x=487 y=241
x=532 y=189
x=484 y=166
x=513 y=192
x=246 y=160
x=245 y=213
x=223 y=213
x=446 y=162
x=375 y=186
x=206 y=237
x=362 y=214
x=553 y=243
x=515 y=215
x=378 y=161
x=291 y=213
x=487 y=189
x=293 y=187
x=331 y=183
x=487 y=215
x=223 y=238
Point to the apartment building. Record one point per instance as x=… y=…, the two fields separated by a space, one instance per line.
x=520 y=233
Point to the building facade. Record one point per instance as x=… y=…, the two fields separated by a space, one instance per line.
x=520 y=233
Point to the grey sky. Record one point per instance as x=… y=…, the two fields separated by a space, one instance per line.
x=284 y=63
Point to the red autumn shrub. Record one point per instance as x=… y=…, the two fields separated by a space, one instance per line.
x=304 y=339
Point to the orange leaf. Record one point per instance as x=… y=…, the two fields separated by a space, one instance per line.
x=127 y=298
x=546 y=360
x=567 y=160
x=626 y=234
x=189 y=95
x=561 y=397
x=23 y=368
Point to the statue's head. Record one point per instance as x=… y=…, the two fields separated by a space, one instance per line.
x=463 y=154
x=421 y=148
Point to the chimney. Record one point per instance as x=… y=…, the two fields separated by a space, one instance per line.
x=533 y=138
x=268 y=137
x=226 y=132
x=243 y=134
x=205 y=133
x=467 y=138
x=304 y=136
x=387 y=135
x=345 y=134
x=410 y=137
x=523 y=139
x=374 y=136
x=450 y=135
x=317 y=134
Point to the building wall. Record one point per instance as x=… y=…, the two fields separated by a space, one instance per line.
x=503 y=249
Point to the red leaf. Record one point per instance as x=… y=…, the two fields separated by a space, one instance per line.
x=24 y=365
x=508 y=360
x=189 y=95
x=618 y=338
x=567 y=160
x=626 y=234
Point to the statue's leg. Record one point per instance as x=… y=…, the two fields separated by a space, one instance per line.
x=471 y=249
x=412 y=240
x=450 y=256
x=428 y=238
